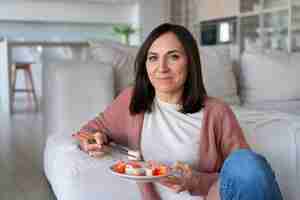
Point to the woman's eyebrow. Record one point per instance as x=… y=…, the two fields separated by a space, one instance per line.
x=169 y=52
x=174 y=51
x=152 y=53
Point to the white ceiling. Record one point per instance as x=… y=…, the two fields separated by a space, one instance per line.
x=100 y=1
x=79 y=1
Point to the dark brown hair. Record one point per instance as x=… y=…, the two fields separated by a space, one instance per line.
x=194 y=90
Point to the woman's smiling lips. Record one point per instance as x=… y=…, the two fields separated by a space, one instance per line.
x=162 y=78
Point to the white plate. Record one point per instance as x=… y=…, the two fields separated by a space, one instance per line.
x=136 y=178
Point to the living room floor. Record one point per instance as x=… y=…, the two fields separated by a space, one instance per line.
x=21 y=170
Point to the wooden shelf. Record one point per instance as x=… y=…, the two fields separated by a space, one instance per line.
x=268 y=15
x=296 y=20
x=274 y=4
x=264 y=11
x=274 y=10
x=271 y=30
x=249 y=14
x=296 y=28
x=296 y=4
x=297 y=48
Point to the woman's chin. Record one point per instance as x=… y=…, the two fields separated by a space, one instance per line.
x=166 y=89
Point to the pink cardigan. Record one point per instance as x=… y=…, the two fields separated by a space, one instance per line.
x=220 y=135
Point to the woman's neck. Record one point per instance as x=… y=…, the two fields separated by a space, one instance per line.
x=170 y=98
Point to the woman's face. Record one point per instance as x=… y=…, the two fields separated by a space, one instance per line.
x=167 y=66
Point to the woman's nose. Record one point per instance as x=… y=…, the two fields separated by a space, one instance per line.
x=163 y=65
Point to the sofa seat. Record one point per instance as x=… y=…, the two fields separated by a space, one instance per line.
x=74 y=175
x=275 y=135
x=76 y=91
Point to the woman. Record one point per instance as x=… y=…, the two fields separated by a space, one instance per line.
x=168 y=116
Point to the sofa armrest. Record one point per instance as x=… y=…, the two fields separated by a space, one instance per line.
x=75 y=175
x=74 y=92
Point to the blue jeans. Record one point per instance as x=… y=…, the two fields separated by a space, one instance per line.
x=246 y=175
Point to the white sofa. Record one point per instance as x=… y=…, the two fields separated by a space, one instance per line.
x=77 y=90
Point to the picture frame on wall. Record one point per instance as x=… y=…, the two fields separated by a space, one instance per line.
x=221 y=31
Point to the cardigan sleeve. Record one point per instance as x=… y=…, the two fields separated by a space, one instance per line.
x=115 y=121
x=123 y=128
x=228 y=136
x=232 y=135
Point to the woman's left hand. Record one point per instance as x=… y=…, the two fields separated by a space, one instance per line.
x=179 y=182
x=175 y=183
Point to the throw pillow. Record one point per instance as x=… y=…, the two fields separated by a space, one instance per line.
x=217 y=72
x=119 y=56
x=270 y=76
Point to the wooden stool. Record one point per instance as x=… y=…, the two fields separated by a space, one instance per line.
x=29 y=85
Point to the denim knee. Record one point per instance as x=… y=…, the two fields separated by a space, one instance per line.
x=247 y=175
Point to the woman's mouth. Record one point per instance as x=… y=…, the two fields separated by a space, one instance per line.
x=168 y=77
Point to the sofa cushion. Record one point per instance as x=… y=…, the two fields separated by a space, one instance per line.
x=269 y=76
x=75 y=91
x=218 y=75
x=275 y=135
x=217 y=67
x=117 y=45
x=105 y=52
x=121 y=57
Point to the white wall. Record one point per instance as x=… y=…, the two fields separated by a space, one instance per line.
x=30 y=17
x=144 y=16
x=214 y=9
x=153 y=13
x=67 y=12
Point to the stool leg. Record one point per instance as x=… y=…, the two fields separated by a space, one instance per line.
x=13 y=86
x=28 y=86
x=29 y=72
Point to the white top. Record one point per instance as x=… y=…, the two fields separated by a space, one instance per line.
x=169 y=136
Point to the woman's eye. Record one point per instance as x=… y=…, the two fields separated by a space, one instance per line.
x=152 y=58
x=174 y=57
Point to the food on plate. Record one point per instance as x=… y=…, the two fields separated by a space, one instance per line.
x=134 y=168
x=160 y=171
x=120 y=167
x=141 y=169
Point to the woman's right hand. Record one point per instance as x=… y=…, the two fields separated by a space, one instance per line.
x=94 y=144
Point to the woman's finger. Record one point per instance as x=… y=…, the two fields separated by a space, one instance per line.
x=100 y=138
x=178 y=188
x=83 y=145
x=96 y=153
x=94 y=147
x=182 y=168
x=173 y=183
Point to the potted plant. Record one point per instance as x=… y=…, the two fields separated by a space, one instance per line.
x=125 y=31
